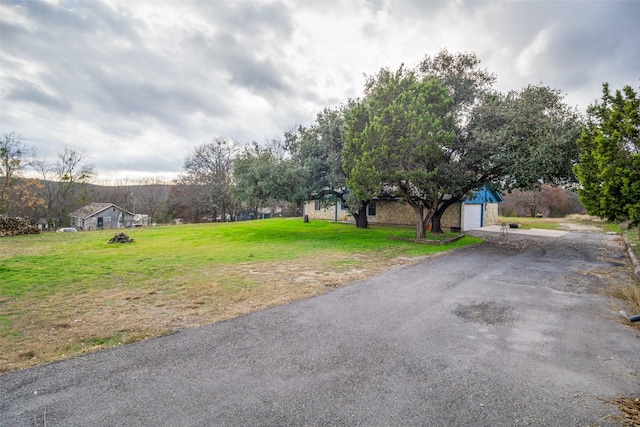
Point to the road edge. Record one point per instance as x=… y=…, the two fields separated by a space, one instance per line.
x=634 y=258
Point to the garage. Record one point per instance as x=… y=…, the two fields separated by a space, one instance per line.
x=472 y=216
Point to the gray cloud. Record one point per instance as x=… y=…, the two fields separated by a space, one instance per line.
x=22 y=90
x=252 y=19
x=139 y=84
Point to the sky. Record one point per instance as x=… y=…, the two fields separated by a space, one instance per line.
x=137 y=85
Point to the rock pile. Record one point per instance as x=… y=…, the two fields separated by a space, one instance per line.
x=15 y=226
x=120 y=238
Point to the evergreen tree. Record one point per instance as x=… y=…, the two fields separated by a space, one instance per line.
x=609 y=162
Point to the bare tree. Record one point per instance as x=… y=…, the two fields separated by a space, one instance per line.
x=547 y=201
x=188 y=201
x=16 y=191
x=120 y=193
x=151 y=199
x=63 y=182
x=45 y=171
x=210 y=169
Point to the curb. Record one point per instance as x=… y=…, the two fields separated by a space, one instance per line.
x=634 y=259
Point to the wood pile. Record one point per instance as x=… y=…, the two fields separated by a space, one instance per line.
x=120 y=238
x=15 y=227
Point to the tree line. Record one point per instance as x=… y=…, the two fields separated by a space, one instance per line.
x=427 y=136
x=34 y=188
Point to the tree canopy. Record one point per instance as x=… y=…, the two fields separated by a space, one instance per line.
x=396 y=138
x=262 y=174
x=609 y=162
x=317 y=163
x=518 y=140
x=435 y=134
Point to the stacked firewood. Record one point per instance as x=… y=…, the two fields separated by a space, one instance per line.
x=15 y=226
x=120 y=238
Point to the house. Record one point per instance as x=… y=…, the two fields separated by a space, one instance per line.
x=42 y=224
x=474 y=212
x=101 y=216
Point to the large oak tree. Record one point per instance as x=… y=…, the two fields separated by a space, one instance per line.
x=437 y=133
x=518 y=140
x=395 y=140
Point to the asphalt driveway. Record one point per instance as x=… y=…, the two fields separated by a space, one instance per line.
x=511 y=332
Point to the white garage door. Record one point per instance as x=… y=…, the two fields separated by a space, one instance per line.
x=472 y=216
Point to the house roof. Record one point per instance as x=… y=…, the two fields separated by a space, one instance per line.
x=95 y=208
x=484 y=195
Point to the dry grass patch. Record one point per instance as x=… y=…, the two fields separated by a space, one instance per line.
x=64 y=325
x=630 y=408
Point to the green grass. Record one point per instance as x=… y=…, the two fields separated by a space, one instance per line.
x=528 y=222
x=634 y=239
x=81 y=262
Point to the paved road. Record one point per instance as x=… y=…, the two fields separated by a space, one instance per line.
x=503 y=334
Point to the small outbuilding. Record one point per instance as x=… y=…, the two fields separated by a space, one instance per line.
x=101 y=216
x=481 y=209
x=42 y=224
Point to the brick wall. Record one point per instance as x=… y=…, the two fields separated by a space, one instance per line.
x=327 y=213
x=490 y=214
x=400 y=213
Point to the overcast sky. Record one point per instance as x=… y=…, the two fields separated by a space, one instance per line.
x=138 y=84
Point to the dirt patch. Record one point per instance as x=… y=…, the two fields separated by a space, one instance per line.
x=65 y=325
x=571 y=226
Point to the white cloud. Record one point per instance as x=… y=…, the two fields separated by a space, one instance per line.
x=531 y=58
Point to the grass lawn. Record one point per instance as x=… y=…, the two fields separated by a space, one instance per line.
x=528 y=222
x=62 y=294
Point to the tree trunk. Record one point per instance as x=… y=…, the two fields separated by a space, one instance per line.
x=428 y=218
x=361 y=216
x=436 y=226
x=421 y=230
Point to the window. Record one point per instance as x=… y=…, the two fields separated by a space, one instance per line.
x=100 y=221
x=343 y=206
x=317 y=206
x=372 y=208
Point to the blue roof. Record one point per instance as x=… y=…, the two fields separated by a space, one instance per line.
x=484 y=195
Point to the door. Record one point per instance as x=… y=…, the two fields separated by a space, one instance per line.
x=472 y=216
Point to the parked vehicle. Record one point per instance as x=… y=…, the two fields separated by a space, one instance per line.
x=67 y=230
